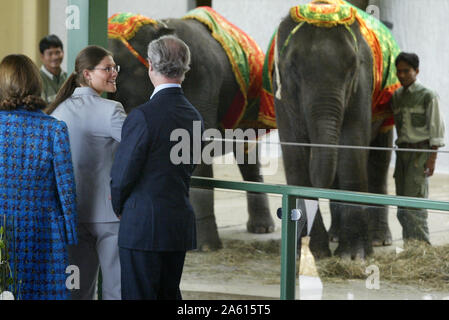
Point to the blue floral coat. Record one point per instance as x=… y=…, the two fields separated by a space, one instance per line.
x=37 y=191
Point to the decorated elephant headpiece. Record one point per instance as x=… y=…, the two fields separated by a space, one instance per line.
x=324 y=13
x=332 y=13
x=124 y=26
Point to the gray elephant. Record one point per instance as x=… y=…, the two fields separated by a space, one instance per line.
x=210 y=86
x=332 y=83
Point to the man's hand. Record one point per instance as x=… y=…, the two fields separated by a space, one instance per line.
x=430 y=164
x=120 y=216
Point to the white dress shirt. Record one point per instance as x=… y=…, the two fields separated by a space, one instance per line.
x=165 y=86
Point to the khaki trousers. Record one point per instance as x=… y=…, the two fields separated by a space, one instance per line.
x=411 y=181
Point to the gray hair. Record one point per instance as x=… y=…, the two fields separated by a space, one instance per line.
x=169 y=56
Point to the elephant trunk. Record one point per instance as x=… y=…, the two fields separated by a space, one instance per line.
x=326 y=126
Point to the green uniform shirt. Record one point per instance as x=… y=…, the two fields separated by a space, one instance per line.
x=51 y=84
x=417 y=115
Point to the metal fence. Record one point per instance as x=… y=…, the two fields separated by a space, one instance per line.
x=289 y=226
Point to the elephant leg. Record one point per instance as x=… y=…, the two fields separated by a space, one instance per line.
x=296 y=164
x=334 y=230
x=354 y=240
x=378 y=224
x=378 y=164
x=259 y=217
x=203 y=204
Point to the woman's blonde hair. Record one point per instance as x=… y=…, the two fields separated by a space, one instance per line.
x=20 y=84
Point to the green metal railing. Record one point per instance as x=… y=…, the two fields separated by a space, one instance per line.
x=289 y=227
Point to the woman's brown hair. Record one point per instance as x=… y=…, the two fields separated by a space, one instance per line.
x=20 y=84
x=88 y=58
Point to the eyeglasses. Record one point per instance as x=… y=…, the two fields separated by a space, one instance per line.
x=110 y=69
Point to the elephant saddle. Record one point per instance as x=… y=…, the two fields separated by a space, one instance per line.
x=246 y=59
x=384 y=49
x=124 y=26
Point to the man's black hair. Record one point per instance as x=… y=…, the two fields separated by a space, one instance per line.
x=410 y=58
x=50 y=41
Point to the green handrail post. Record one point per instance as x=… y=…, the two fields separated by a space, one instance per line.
x=288 y=249
x=87 y=24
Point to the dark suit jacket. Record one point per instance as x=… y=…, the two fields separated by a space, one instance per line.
x=149 y=191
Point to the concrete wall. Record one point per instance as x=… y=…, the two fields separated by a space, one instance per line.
x=422 y=27
x=258 y=18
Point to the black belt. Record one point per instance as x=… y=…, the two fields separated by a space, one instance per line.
x=418 y=145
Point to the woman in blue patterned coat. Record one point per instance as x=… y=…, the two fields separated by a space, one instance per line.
x=37 y=185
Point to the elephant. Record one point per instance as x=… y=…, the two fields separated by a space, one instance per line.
x=210 y=85
x=324 y=79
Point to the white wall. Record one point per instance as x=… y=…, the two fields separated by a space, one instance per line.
x=155 y=9
x=422 y=27
x=258 y=18
x=56 y=24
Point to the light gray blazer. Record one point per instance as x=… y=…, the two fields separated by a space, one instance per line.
x=95 y=126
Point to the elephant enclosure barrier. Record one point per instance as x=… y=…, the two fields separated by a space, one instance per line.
x=289 y=227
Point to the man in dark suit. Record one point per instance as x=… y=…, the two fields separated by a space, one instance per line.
x=149 y=190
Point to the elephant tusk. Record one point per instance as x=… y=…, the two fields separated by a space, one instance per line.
x=276 y=70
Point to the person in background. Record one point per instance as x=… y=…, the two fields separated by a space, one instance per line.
x=419 y=125
x=37 y=184
x=95 y=126
x=149 y=191
x=53 y=77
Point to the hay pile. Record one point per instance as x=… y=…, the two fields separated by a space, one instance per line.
x=255 y=262
x=420 y=265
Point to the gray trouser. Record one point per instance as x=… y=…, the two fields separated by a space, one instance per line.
x=97 y=246
x=411 y=182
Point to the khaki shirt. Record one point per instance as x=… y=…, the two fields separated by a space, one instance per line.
x=417 y=115
x=51 y=84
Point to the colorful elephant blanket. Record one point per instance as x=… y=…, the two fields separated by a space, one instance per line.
x=331 y=13
x=124 y=26
x=244 y=54
x=246 y=59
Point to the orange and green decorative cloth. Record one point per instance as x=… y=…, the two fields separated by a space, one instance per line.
x=384 y=49
x=246 y=59
x=124 y=26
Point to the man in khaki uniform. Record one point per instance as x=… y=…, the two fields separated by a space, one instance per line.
x=53 y=77
x=419 y=125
